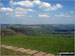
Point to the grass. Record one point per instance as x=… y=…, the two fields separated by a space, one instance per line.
x=47 y=44
x=5 y=51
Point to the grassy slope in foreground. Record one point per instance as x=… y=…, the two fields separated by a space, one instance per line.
x=46 y=44
x=11 y=52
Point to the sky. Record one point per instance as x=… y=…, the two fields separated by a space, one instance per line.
x=36 y=12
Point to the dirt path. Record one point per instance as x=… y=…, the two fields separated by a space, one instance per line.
x=28 y=51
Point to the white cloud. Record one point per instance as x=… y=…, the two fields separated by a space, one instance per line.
x=30 y=10
x=26 y=3
x=20 y=11
x=44 y=5
x=23 y=3
x=55 y=7
x=7 y=9
x=49 y=7
x=19 y=15
x=63 y=15
x=59 y=6
x=43 y=15
x=37 y=2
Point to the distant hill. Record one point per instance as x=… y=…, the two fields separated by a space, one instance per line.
x=5 y=25
x=58 y=30
x=50 y=26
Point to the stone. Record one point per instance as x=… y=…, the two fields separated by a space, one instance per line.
x=49 y=55
x=32 y=52
x=40 y=54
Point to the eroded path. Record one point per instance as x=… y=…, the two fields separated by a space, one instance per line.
x=28 y=51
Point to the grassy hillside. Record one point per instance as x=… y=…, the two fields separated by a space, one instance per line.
x=40 y=43
x=11 y=52
x=47 y=38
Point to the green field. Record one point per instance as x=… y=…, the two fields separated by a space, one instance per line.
x=41 y=43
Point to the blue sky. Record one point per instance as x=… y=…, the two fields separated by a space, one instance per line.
x=37 y=12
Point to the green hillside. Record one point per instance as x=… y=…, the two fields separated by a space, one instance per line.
x=46 y=44
x=46 y=38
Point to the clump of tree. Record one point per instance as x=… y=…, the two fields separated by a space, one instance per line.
x=7 y=31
